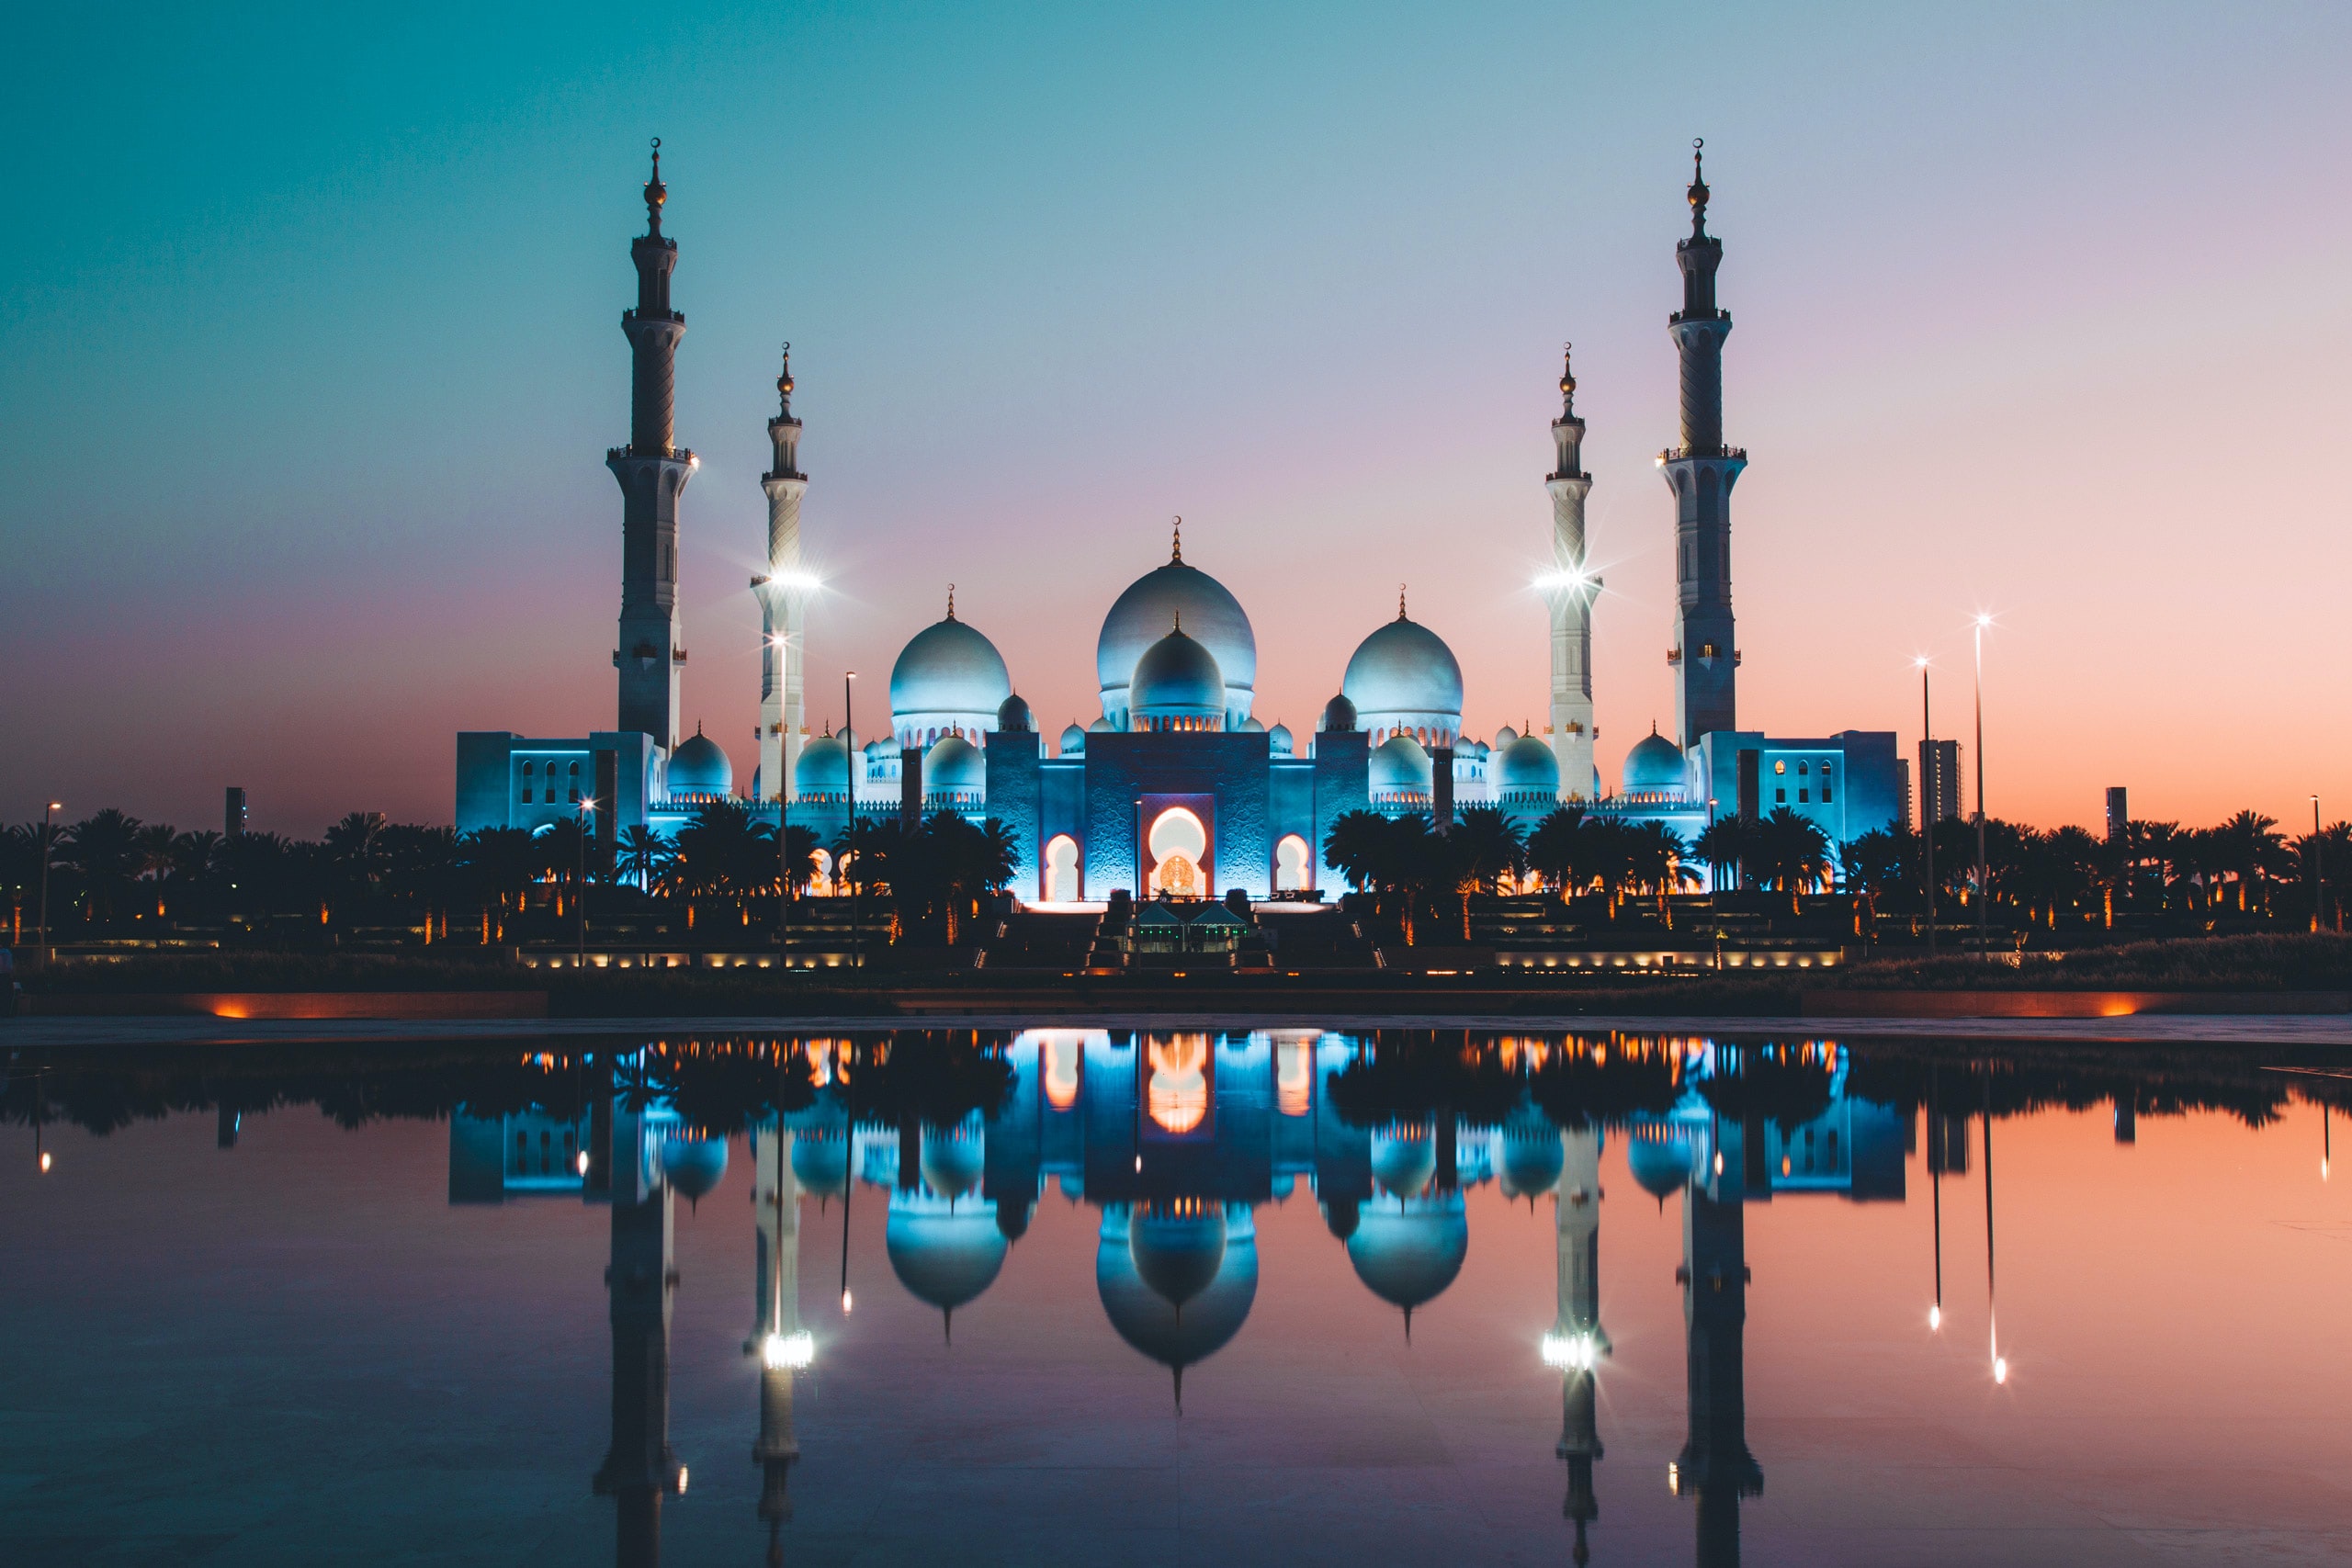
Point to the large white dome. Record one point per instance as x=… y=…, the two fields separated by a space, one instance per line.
x=1404 y=677
x=949 y=672
x=1151 y=607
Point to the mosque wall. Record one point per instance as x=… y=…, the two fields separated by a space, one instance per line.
x=1233 y=768
x=1342 y=783
x=1012 y=798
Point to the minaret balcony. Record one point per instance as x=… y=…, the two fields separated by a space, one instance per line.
x=1685 y=453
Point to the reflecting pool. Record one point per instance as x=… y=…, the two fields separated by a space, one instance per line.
x=1078 y=1295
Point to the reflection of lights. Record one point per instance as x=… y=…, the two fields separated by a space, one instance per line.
x=1935 y=1317
x=2000 y=1369
x=1569 y=1352
x=1719 y=1162
x=1060 y=1072
x=844 y=1304
x=46 y=1161
x=1674 y=1478
x=1571 y=579
x=681 y=1481
x=583 y=1162
x=793 y=1350
x=1177 y=1095
x=1293 y=1080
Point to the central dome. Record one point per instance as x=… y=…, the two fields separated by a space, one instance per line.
x=950 y=670
x=1654 y=764
x=1152 y=603
x=1176 y=679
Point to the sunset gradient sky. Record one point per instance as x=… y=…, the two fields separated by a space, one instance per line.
x=312 y=340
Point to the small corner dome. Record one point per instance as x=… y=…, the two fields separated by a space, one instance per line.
x=1477 y=751
x=823 y=768
x=699 y=767
x=1278 y=740
x=692 y=1165
x=1658 y=1154
x=954 y=764
x=948 y=667
x=1102 y=726
x=1012 y=717
x=1654 y=764
x=1407 y=1251
x=1251 y=726
x=1505 y=736
x=885 y=749
x=944 y=1257
x=1400 y=763
x=1528 y=765
x=1339 y=714
x=1073 y=741
x=1404 y=668
x=1177 y=675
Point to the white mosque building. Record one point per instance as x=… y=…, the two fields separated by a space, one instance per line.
x=1178 y=788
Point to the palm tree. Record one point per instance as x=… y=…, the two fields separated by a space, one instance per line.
x=2247 y=847
x=1878 y=862
x=195 y=864
x=1609 y=850
x=642 y=855
x=1656 y=853
x=104 y=849
x=1353 y=847
x=2327 y=856
x=1554 y=849
x=502 y=864
x=152 y=846
x=20 y=857
x=1792 y=853
x=1724 y=844
x=1482 y=848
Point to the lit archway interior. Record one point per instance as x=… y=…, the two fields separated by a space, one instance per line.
x=1178 y=1095
x=1290 y=864
x=1061 y=869
x=1178 y=844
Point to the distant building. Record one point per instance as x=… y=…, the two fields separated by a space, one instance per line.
x=1178 y=787
x=1903 y=774
x=233 y=814
x=2119 y=811
x=1938 y=781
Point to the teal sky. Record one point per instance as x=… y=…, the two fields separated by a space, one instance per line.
x=312 y=348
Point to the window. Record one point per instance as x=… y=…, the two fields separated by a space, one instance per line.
x=1802 y=769
x=1804 y=796
x=1779 y=767
x=1824 y=791
x=1779 y=797
x=575 y=795
x=526 y=770
x=575 y=770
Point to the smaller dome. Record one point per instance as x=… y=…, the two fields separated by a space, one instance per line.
x=1654 y=764
x=948 y=668
x=1533 y=1154
x=1476 y=750
x=1339 y=714
x=1013 y=716
x=885 y=749
x=820 y=1159
x=955 y=765
x=692 y=1165
x=1250 y=726
x=1529 y=766
x=1102 y=726
x=1504 y=737
x=952 y=1157
x=699 y=767
x=1658 y=1155
x=1074 y=741
x=823 y=768
x=943 y=1256
x=1407 y=1251
x=1177 y=678
x=1398 y=764
x=1404 y=668
x=1278 y=740
x=1404 y=1157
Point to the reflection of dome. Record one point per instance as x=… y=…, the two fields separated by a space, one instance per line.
x=692 y=1165
x=1012 y=1219
x=1073 y=741
x=1278 y=740
x=1529 y=768
x=820 y=1159
x=948 y=668
x=1404 y=673
x=1151 y=605
x=1177 y=678
x=823 y=769
x=1532 y=1153
x=1658 y=1154
x=941 y=1256
x=952 y=1157
x=1654 y=764
x=699 y=767
x=1341 y=1216
x=1178 y=1252
x=1400 y=766
x=1146 y=1320
x=955 y=766
x=1339 y=715
x=1406 y=1251
x=1404 y=1157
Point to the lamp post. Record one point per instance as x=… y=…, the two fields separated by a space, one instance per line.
x=857 y=860
x=1929 y=806
x=1983 y=888
x=48 y=836
x=580 y=893
x=2319 y=869
x=783 y=839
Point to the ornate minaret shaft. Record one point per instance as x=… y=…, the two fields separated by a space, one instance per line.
x=1573 y=589
x=1701 y=472
x=652 y=472
x=782 y=595
x=1578 y=1325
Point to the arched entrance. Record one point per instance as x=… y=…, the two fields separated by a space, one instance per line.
x=1180 y=847
x=1061 y=869
x=1292 y=866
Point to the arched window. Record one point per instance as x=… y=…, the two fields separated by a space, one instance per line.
x=575 y=770
x=526 y=770
x=1292 y=865
x=1061 y=869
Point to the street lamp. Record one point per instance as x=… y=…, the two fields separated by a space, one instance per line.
x=48 y=836
x=857 y=860
x=1929 y=806
x=1984 y=890
x=783 y=833
x=2319 y=869
x=580 y=893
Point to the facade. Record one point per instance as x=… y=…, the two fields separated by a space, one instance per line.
x=1179 y=788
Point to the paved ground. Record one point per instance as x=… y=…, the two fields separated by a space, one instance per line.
x=2147 y=1029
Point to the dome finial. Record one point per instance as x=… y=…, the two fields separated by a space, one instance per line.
x=1400 y=602
x=1176 y=545
x=1567 y=382
x=656 y=193
x=1180 y=623
x=951 y=601
x=784 y=384
x=1698 y=192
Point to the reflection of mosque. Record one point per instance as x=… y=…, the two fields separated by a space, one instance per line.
x=1176 y=1138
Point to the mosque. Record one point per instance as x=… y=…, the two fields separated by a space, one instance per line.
x=1178 y=788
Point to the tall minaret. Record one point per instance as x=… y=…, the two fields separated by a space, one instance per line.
x=1716 y=1465
x=1578 y=1325
x=1701 y=472
x=652 y=472
x=777 y=1337
x=642 y=1277
x=783 y=596
x=1573 y=589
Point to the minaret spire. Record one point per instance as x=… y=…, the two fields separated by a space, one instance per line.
x=1176 y=545
x=1702 y=472
x=1572 y=590
x=783 y=593
x=1400 y=602
x=652 y=471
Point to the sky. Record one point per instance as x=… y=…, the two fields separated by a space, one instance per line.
x=313 y=344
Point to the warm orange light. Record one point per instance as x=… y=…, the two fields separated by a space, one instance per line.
x=1061 y=1057
x=1178 y=1095
x=1293 y=1078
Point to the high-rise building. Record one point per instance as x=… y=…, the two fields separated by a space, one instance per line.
x=1903 y=789
x=1938 y=781
x=233 y=823
x=2119 y=811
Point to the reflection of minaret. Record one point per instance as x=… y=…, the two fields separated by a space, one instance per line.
x=638 y=1467
x=1702 y=472
x=1573 y=590
x=1714 y=1461
x=777 y=1337
x=1577 y=1327
x=782 y=594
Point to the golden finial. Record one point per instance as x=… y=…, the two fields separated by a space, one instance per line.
x=656 y=193
x=1400 y=600
x=1567 y=372
x=784 y=382
x=951 y=601
x=1698 y=192
x=1176 y=548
